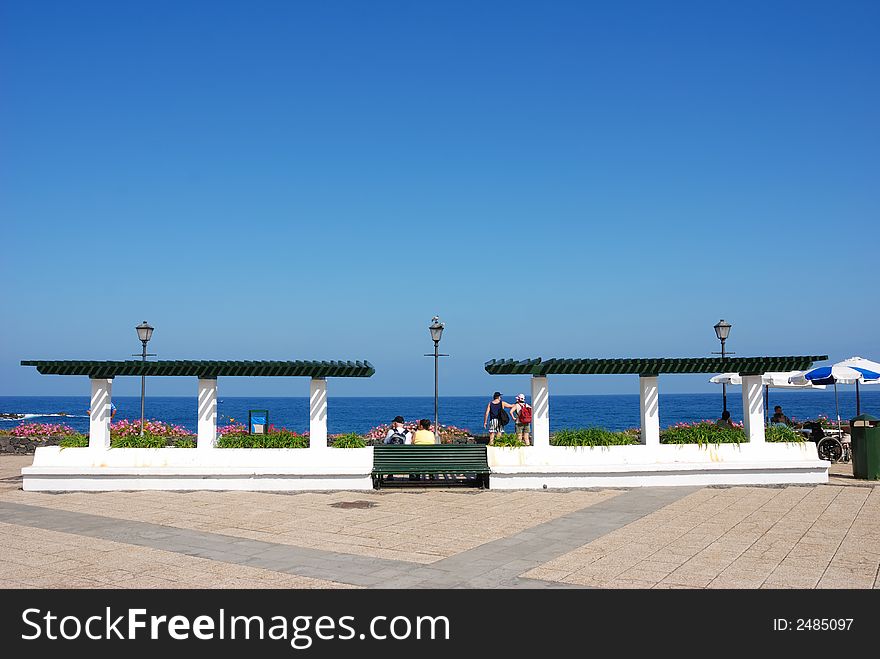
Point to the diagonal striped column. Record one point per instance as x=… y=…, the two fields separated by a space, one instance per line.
x=540 y=412
x=753 y=408
x=207 y=437
x=649 y=403
x=318 y=414
x=99 y=417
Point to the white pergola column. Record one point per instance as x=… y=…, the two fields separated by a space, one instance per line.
x=99 y=417
x=649 y=404
x=207 y=437
x=540 y=412
x=753 y=408
x=318 y=414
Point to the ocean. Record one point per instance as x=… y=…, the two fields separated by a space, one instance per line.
x=350 y=414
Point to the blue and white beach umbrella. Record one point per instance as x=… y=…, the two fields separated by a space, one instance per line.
x=776 y=379
x=855 y=370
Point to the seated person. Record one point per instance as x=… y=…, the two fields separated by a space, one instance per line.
x=397 y=434
x=423 y=434
x=725 y=420
x=779 y=418
x=816 y=432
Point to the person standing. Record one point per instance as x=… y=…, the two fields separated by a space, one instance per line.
x=423 y=434
x=493 y=416
x=522 y=416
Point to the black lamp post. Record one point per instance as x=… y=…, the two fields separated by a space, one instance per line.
x=436 y=329
x=145 y=333
x=722 y=331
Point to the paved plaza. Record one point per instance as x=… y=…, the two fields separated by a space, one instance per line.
x=825 y=536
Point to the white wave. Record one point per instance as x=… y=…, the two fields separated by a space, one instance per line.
x=20 y=416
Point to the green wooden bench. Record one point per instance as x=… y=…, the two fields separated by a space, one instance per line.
x=459 y=462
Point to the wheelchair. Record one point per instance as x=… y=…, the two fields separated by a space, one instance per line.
x=830 y=447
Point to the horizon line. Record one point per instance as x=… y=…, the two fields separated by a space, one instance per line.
x=679 y=393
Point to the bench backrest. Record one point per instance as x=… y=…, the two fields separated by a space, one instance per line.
x=414 y=458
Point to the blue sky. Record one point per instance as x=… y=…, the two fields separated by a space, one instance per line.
x=291 y=180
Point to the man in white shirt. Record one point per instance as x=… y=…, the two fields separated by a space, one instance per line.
x=397 y=432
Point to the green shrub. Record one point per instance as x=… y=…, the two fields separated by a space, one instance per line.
x=782 y=434
x=74 y=441
x=280 y=439
x=184 y=442
x=508 y=441
x=703 y=432
x=136 y=441
x=592 y=437
x=349 y=440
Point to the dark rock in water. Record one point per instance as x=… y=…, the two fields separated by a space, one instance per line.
x=11 y=415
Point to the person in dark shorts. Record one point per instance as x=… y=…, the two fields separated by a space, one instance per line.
x=493 y=411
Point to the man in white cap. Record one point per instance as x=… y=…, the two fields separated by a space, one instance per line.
x=522 y=413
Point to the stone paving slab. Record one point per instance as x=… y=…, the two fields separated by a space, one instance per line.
x=496 y=563
x=715 y=537
x=391 y=529
x=41 y=558
x=780 y=537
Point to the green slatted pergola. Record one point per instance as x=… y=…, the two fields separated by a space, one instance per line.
x=102 y=373
x=648 y=370
x=205 y=368
x=650 y=366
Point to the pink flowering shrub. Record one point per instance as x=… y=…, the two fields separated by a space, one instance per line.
x=694 y=424
x=41 y=430
x=128 y=428
x=448 y=433
x=232 y=429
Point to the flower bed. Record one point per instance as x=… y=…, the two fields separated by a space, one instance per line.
x=448 y=434
x=151 y=441
x=41 y=430
x=348 y=440
x=593 y=437
x=128 y=428
x=74 y=441
x=235 y=435
x=782 y=434
x=24 y=438
x=508 y=440
x=274 y=439
x=703 y=432
x=708 y=432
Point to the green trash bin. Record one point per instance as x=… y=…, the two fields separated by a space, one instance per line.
x=864 y=433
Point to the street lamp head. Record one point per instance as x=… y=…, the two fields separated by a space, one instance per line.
x=722 y=329
x=436 y=329
x=145 y=332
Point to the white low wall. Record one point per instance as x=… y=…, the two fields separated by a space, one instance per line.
x=72 y=469
x=57 y=469
x=665 y=464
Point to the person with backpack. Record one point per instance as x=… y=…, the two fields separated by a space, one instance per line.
x=496 y=416
x=397 y=433
x=522 y=414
